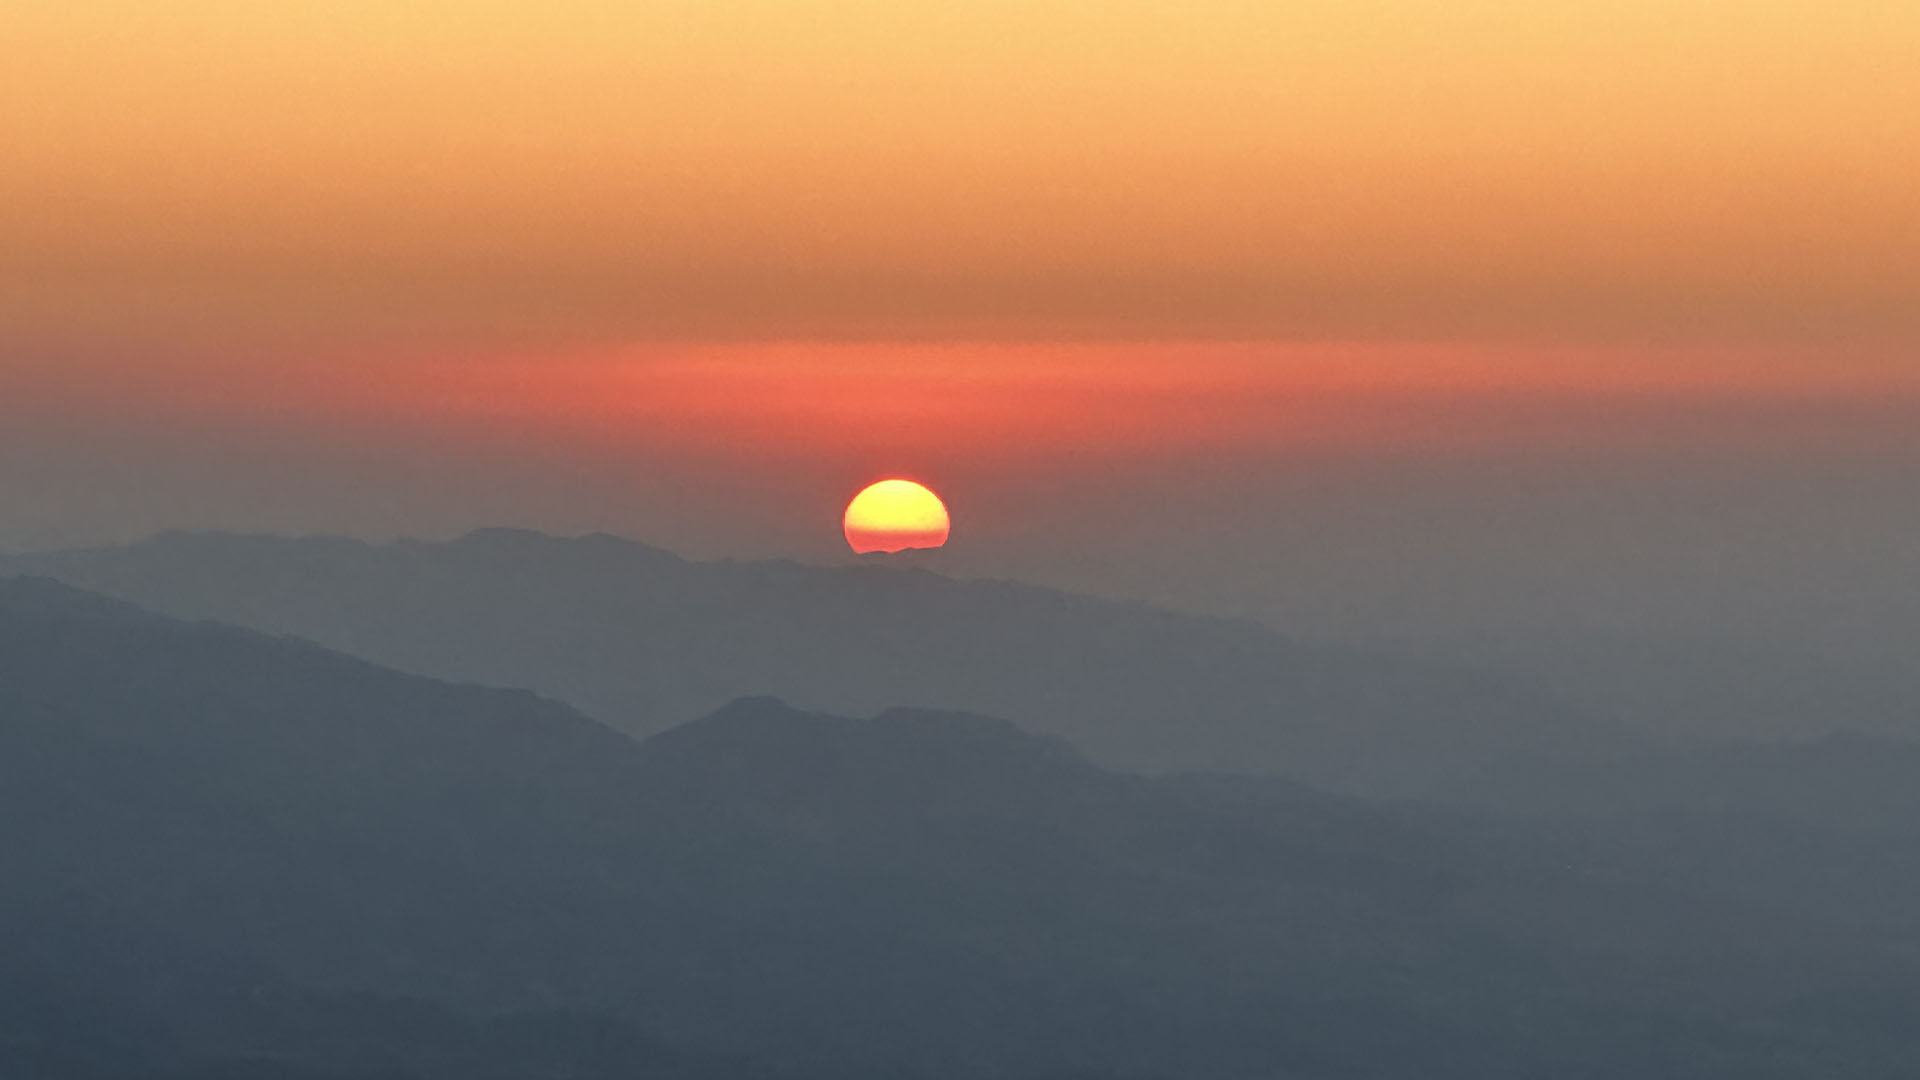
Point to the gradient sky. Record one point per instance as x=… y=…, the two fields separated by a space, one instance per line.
x=1334 y=312
x=997 y=168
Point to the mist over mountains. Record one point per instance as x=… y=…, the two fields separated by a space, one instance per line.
x=1065 y=540
x=1700 y=689
x=643 y=640
x=229 y=854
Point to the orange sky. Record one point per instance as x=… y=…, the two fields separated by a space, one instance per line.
x=219 y=171
x=760 y=253
x=1302 y=310
x=883 y=407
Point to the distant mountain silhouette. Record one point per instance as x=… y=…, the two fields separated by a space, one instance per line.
x=224 y=854
x=1692 y=689
x=644 y=640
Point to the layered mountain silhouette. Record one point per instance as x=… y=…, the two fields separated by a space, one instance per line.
x=643 y=640
x=1702 y=689
x=229 y=854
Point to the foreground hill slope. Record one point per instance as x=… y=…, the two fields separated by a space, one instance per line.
x=644 y=640
x=228 y=855
x=242 y=856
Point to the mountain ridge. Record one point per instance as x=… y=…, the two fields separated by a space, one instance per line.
x=643 y=639
x=912 y=894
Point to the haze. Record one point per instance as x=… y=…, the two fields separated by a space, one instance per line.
x=1433 y=569
x=1362 y=489
x=1358 y=316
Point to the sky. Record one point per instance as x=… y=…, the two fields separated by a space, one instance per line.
x=1346 y=314
x=905 y=168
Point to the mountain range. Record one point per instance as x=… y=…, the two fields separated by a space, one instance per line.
x=644 y=640
x=231 y=854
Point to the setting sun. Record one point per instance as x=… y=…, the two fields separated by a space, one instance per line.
x=894 y=515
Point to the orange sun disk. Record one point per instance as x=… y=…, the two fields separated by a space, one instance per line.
x=894 y=515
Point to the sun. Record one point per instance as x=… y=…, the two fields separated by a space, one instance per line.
x=894 y=515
